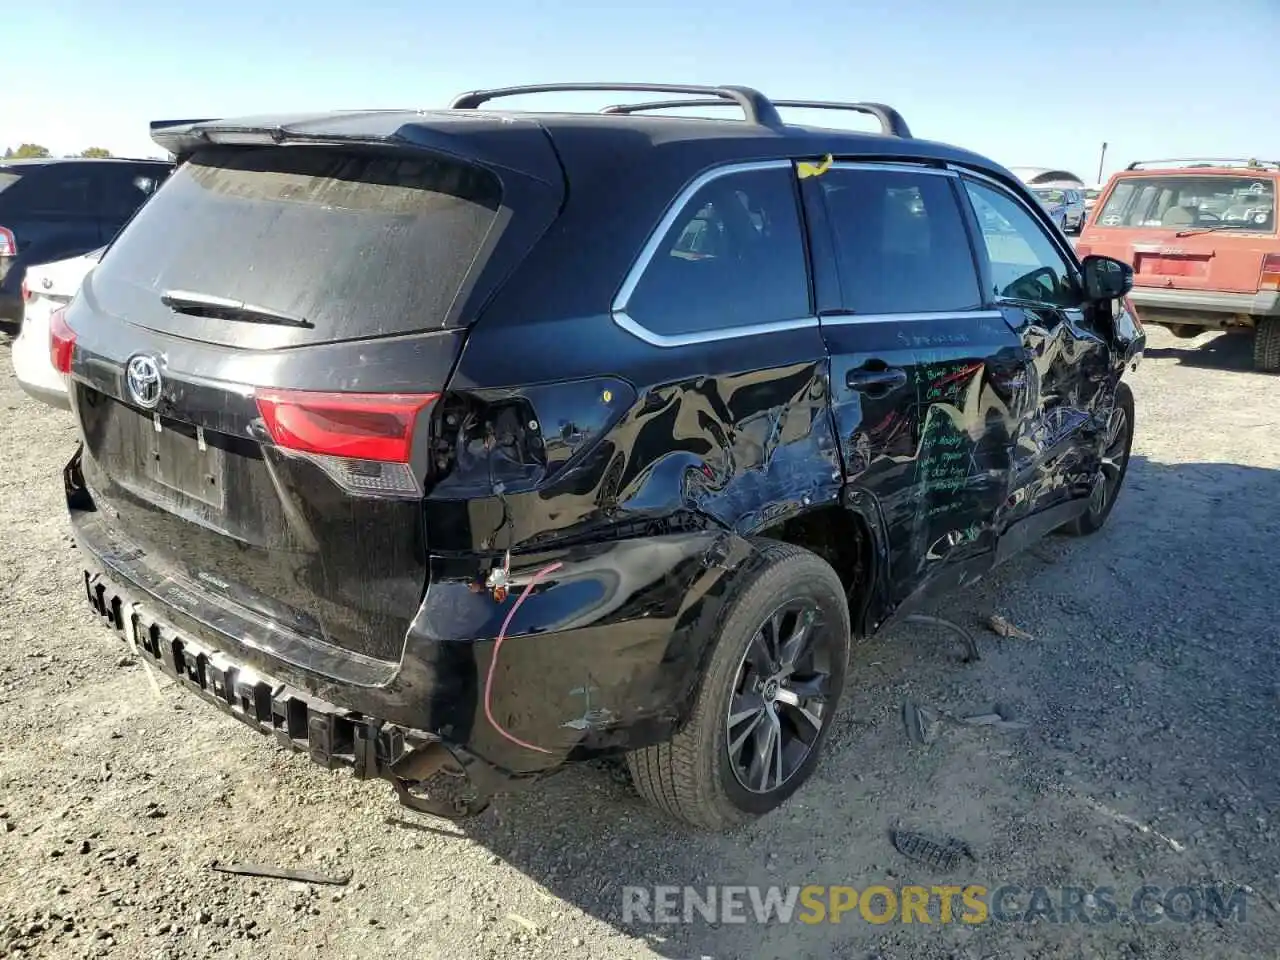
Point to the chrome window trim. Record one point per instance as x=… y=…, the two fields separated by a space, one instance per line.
x=896 y=166
x=845 y=319
x=625 y=322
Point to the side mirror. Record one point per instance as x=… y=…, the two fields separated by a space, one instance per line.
x=1106 y=278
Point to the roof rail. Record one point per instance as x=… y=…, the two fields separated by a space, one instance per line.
x=1204 y=162
x=891 y=121
x=757 y=108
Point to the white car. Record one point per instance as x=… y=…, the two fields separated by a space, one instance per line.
x=46 y=287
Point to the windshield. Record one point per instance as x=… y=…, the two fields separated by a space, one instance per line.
x=1182 y=202
x=1047 y=195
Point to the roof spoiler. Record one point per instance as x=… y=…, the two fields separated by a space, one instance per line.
x=177 y=136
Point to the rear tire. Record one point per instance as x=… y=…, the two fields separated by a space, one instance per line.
x=1266 y=345
x=1117 y=444
x=698 y=776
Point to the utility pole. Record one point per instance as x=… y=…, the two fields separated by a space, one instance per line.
x=1101 y=160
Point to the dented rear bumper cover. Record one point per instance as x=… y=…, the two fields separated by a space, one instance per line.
x=331 y=735
x=602 y=655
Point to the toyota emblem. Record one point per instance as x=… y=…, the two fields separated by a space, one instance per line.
x=142 y=377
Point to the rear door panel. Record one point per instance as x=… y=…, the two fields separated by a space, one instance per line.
x=928 y=384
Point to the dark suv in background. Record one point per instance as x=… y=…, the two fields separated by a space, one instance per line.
x=455 y=445
x=52 y=209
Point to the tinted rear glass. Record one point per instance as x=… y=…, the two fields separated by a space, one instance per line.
x=355 y=244
x=1181 y=202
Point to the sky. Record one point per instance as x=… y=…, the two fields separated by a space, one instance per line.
x=1027 y=84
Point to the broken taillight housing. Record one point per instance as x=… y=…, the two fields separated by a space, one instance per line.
x=62 y=341
x=363 y=441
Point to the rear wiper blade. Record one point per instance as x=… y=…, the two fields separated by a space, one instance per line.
x=1213 y=227
x=223 y=308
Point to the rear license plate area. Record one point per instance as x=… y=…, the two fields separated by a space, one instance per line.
x=179 y=457
x=1172 y=266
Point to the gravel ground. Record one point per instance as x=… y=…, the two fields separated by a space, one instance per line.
x=1149 y=686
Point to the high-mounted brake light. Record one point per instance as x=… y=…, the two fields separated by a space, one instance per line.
x=8 y=243
x=62 y=341
x=1270 y=279
x=363 y=441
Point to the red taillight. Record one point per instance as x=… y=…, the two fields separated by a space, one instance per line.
x=8 y=244
x=26 y=292
x=62 y=340
x=357 y=426
x=1270 y=279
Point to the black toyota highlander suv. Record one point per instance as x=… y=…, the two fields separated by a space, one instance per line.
x=456 y=445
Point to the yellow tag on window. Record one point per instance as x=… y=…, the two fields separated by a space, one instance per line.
x=804 y=169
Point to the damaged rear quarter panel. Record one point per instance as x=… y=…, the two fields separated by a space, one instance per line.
x=645 y=516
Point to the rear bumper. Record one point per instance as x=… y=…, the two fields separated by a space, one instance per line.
x=1262 y=303
x=603 y=655
x=331 y=735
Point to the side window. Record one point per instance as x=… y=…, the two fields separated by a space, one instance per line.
x=59 y=189
x=733 y=257
x=1025 y=263
x=122 y=189
x=900 y=242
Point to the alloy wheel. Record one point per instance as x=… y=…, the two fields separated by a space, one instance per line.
x=1115 y=451
x=780 y=695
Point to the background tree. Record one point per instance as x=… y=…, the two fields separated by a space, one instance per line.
x=96 y=152
x=25 y=151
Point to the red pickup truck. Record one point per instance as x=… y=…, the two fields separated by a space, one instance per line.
x=1201 y=236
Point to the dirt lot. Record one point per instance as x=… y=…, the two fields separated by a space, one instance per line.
x=1150 y=688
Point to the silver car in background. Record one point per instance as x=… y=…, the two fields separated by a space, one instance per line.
x=1065 y=206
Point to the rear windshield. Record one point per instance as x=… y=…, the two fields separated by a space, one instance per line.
x=1221 y=202
x=354 y=244
x=1050 y=195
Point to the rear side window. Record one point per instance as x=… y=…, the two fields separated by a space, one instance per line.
x=900 y=241
x=354 y=244
x=732 y=257
x=1179 y=202
x=123 y=187
x=56 y=188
